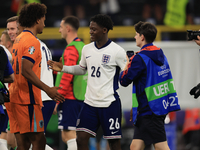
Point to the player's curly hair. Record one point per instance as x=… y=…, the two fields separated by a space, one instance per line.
x=147 y=29
x=30 y=13
x=103 y=21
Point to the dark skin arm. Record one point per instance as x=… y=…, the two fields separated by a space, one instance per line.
x=9 y=79
x=28 y=73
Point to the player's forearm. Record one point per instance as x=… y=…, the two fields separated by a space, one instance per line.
x=9 y=79
x=33 y=79
x=75 y=70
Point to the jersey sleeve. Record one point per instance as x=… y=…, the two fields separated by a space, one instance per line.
x=82 y=62
x=135 y=69
x=31 y=50
x=121 y=58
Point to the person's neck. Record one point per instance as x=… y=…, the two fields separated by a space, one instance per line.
x=32 y=30
x=143 y=43
x=71 y=37
x=102 y=42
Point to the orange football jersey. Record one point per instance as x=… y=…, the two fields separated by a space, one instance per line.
x=26 y=46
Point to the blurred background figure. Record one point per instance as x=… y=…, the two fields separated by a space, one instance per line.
x=195 y=5
x=17 y=4
x=178 y=13
x=6 y=41
x=109 y=7
x=153 y=11
x=76 y=8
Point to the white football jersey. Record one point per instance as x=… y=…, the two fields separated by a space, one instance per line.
x=46 y=73
x=103 y=66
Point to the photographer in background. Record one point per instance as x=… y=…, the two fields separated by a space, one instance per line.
x=191 y=126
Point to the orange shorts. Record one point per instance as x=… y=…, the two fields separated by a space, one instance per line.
x=11 y=117
x=26 y=118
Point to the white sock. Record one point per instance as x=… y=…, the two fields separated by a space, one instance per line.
x=47 y=147
x=3 y=144
x=71 y=144
x=31 y=147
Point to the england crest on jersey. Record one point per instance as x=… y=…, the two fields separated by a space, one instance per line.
x=105 y=59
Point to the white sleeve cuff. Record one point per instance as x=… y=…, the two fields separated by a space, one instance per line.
x=75 y=70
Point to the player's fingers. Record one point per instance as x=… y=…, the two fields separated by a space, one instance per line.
x=50 y=67
x=58 y=87
x=60 y=98
x=60 y=59
x=49 y=62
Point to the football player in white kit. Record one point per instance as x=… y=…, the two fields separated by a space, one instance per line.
x=103 y=59
x=47 y=78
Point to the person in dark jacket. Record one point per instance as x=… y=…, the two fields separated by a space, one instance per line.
x=153 y=94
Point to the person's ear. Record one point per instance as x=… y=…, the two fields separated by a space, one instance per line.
x=37 y=22
x=142 y=37
x=105 y=30
x=68 y=28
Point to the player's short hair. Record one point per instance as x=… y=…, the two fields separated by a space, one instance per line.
x=103 y=21
x=7 y=36
x=147 y=29
x=11 y=19
x=30 y=13
x=73 y=21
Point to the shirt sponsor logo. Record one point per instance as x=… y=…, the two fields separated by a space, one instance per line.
x=114 y=132
x=88 y=57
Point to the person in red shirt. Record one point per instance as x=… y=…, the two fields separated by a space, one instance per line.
x=69 y=110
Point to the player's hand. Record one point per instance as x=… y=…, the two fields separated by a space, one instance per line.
x=56 y=66
x=53 y=93
x=55 y=109
x=127 y=62
x=198 y=41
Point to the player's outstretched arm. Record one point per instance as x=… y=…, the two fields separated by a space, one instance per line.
x=9 y=79
x=58 y=66
x=28 y=73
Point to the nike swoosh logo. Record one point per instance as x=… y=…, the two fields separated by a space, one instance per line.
x=88 y=57
x=114 y=132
